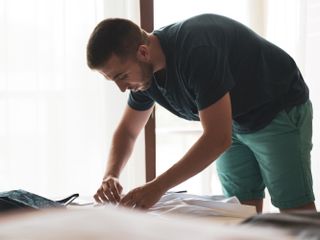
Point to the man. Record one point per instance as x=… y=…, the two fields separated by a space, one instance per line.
x=248 y=94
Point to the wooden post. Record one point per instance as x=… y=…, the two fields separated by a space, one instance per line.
x=146 y=21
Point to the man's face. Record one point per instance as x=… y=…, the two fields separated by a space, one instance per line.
x=128 y=74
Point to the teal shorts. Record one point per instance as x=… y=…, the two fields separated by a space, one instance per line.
x=276 y=157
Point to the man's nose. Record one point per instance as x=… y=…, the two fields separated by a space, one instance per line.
x=122 y=86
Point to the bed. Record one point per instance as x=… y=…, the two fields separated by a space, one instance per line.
x=119 y=223
x=227 y=220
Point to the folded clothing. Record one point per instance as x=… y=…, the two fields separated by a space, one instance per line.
x=21 y=199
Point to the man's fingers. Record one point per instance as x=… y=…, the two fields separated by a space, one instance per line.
x=129 y=200
x=118 y=188
x=130 y=203
x=115 y=193
x=96 y=198
x=140 y=205
x=110 y=196
x=126 y=198
x=102 y=195
x=111 y=191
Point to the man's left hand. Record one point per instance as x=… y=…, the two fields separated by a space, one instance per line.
x=143 y=197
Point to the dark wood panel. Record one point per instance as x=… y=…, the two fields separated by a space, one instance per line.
x=146 y=20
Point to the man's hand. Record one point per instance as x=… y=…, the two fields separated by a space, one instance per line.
x=143 y=197
x=109 y=191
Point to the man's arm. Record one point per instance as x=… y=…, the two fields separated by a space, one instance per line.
x=122 y=144
x=216 y=121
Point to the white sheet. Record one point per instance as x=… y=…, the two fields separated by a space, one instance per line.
x=202 y=206
x=122 y=224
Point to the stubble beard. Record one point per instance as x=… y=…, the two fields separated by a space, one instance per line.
x=147 y=75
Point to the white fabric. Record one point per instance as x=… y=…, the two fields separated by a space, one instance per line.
x=201 y=206
x=183 y=203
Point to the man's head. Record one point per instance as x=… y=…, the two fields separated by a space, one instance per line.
x=119 y=50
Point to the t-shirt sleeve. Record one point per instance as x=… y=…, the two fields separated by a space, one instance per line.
x=140 y=101
x=208 y=75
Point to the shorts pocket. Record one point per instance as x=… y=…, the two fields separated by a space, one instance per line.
x=292 y=117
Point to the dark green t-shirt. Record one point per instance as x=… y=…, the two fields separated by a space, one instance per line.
x=209 y=55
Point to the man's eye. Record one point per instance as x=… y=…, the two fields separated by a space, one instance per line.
x=122 y=77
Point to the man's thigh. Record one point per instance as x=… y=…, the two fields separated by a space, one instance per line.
x=239 y=172
x=282 y=150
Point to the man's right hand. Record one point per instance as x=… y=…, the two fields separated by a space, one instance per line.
x=109 y=191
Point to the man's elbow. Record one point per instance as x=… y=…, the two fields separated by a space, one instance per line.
x=227 y=143
x=224 y=143
x=220 y=143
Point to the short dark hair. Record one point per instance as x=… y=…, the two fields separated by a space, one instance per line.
x=113 y=35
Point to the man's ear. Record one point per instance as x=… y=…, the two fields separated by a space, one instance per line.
x=143 y=53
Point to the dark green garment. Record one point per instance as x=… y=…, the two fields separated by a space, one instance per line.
x=209 y=55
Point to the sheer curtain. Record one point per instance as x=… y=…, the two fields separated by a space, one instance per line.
x=56 y=115
x=311 y=46
x=294 y=26
x=285 y=26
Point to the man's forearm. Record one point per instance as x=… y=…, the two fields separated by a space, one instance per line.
x=201 y=155
x=121 y=149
